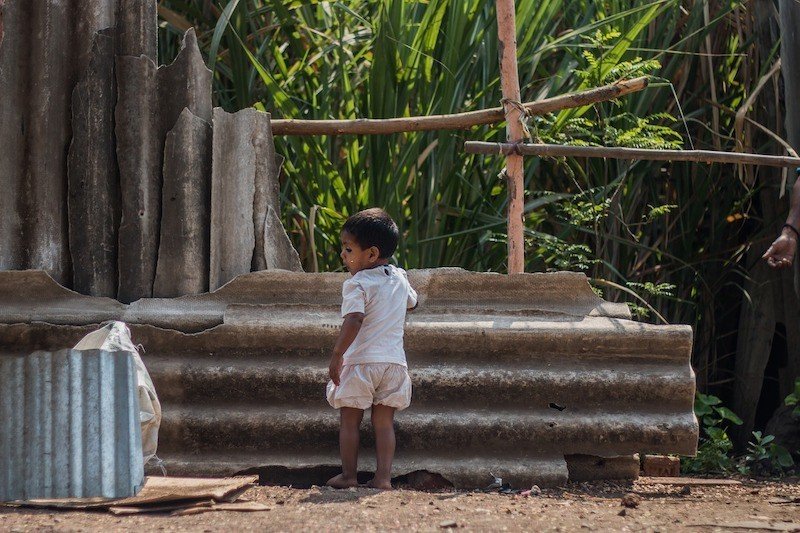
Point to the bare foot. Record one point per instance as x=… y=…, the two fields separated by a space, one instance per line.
x=341 y=482
x=381 y=485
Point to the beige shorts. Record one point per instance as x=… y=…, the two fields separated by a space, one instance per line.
x=361 y=386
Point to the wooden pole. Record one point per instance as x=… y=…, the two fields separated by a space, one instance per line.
x=509 y=83
x=700 y=156
x=454 y=121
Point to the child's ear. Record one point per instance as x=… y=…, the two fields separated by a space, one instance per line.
x=374 y=253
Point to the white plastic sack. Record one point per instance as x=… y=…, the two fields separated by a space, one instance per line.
x=116 y=336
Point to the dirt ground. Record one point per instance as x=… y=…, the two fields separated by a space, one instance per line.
x=766 y=506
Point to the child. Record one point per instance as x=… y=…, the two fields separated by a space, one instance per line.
x=368 y=365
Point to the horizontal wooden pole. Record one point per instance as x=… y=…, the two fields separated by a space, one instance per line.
x=456 y=121
x=700 y=156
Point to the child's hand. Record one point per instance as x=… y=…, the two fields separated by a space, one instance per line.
x=335 y=369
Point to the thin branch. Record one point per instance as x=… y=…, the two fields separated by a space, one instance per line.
x=454 y=121
x=700 y=156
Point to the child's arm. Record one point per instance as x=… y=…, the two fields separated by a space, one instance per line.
x=350 y=328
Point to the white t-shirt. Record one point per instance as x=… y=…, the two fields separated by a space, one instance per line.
x=383 y=294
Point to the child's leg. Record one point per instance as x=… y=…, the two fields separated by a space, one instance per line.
x=383 y=423
x=350 y=420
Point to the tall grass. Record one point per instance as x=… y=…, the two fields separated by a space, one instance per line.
x=672 y=236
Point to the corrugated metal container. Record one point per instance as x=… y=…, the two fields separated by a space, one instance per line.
x=532 y=378
x=70 y=426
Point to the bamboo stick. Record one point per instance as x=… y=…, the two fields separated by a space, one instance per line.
x=454 y=121
x=700 y=156
x=509 y=83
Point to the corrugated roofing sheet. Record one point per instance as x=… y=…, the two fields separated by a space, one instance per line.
x=527 y=377
x=70 y=426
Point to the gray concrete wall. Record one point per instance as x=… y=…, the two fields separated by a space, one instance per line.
x=527 y=376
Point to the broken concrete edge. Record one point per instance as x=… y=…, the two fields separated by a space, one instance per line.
x=553 y=472
x=538 y=294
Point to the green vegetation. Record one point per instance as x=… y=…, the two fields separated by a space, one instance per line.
x=715 y=451
x=670 y=239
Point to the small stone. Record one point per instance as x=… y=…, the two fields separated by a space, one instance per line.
x=686 y=490
x=622 y=513
x=352 y=489
x=631 y=500
x=448 y=524
x=535 y=490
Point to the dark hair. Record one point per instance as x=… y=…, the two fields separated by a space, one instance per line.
x=374 y=227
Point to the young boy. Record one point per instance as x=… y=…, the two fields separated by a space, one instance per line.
x=368 y=365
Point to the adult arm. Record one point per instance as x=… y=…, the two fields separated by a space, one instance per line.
x=783 y=251
x=350 y=328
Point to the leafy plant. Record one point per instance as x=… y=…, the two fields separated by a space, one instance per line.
x=764 y=457
x=394 y=58
x=715 y=446
x=794 y=398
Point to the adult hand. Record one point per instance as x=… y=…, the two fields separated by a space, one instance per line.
x=781 y=253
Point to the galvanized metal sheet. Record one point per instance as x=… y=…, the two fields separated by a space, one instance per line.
x=183 y=248
x=508 y=378
x=70 y=426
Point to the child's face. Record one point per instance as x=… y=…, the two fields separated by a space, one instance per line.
x=354 y=257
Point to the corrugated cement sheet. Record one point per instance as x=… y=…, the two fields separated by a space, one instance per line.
x=532 y=378
x=70 y=426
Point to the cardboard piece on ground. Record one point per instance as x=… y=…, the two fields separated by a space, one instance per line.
x=685 y=481
x=160 y=490
x=247 y=507
x=753 y=524
x=123 y=510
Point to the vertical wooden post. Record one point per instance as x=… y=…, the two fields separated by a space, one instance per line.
x=509 y=80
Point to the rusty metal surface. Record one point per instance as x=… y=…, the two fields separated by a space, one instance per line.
x=183 y=248
x=530 y=377
x=70 y=426
x=38 y=71
x=93 y=197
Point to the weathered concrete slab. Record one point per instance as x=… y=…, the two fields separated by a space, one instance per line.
x=186 y=213
x=184 y=83
x=233 y=189
x=150 y=102
x=510 y=376
x=277 y=248
x=266 y=190
x=137 y=28
x=93 y=197
x=443 y=291
x=32 y=295
x=38 y=71
x=139 y=157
